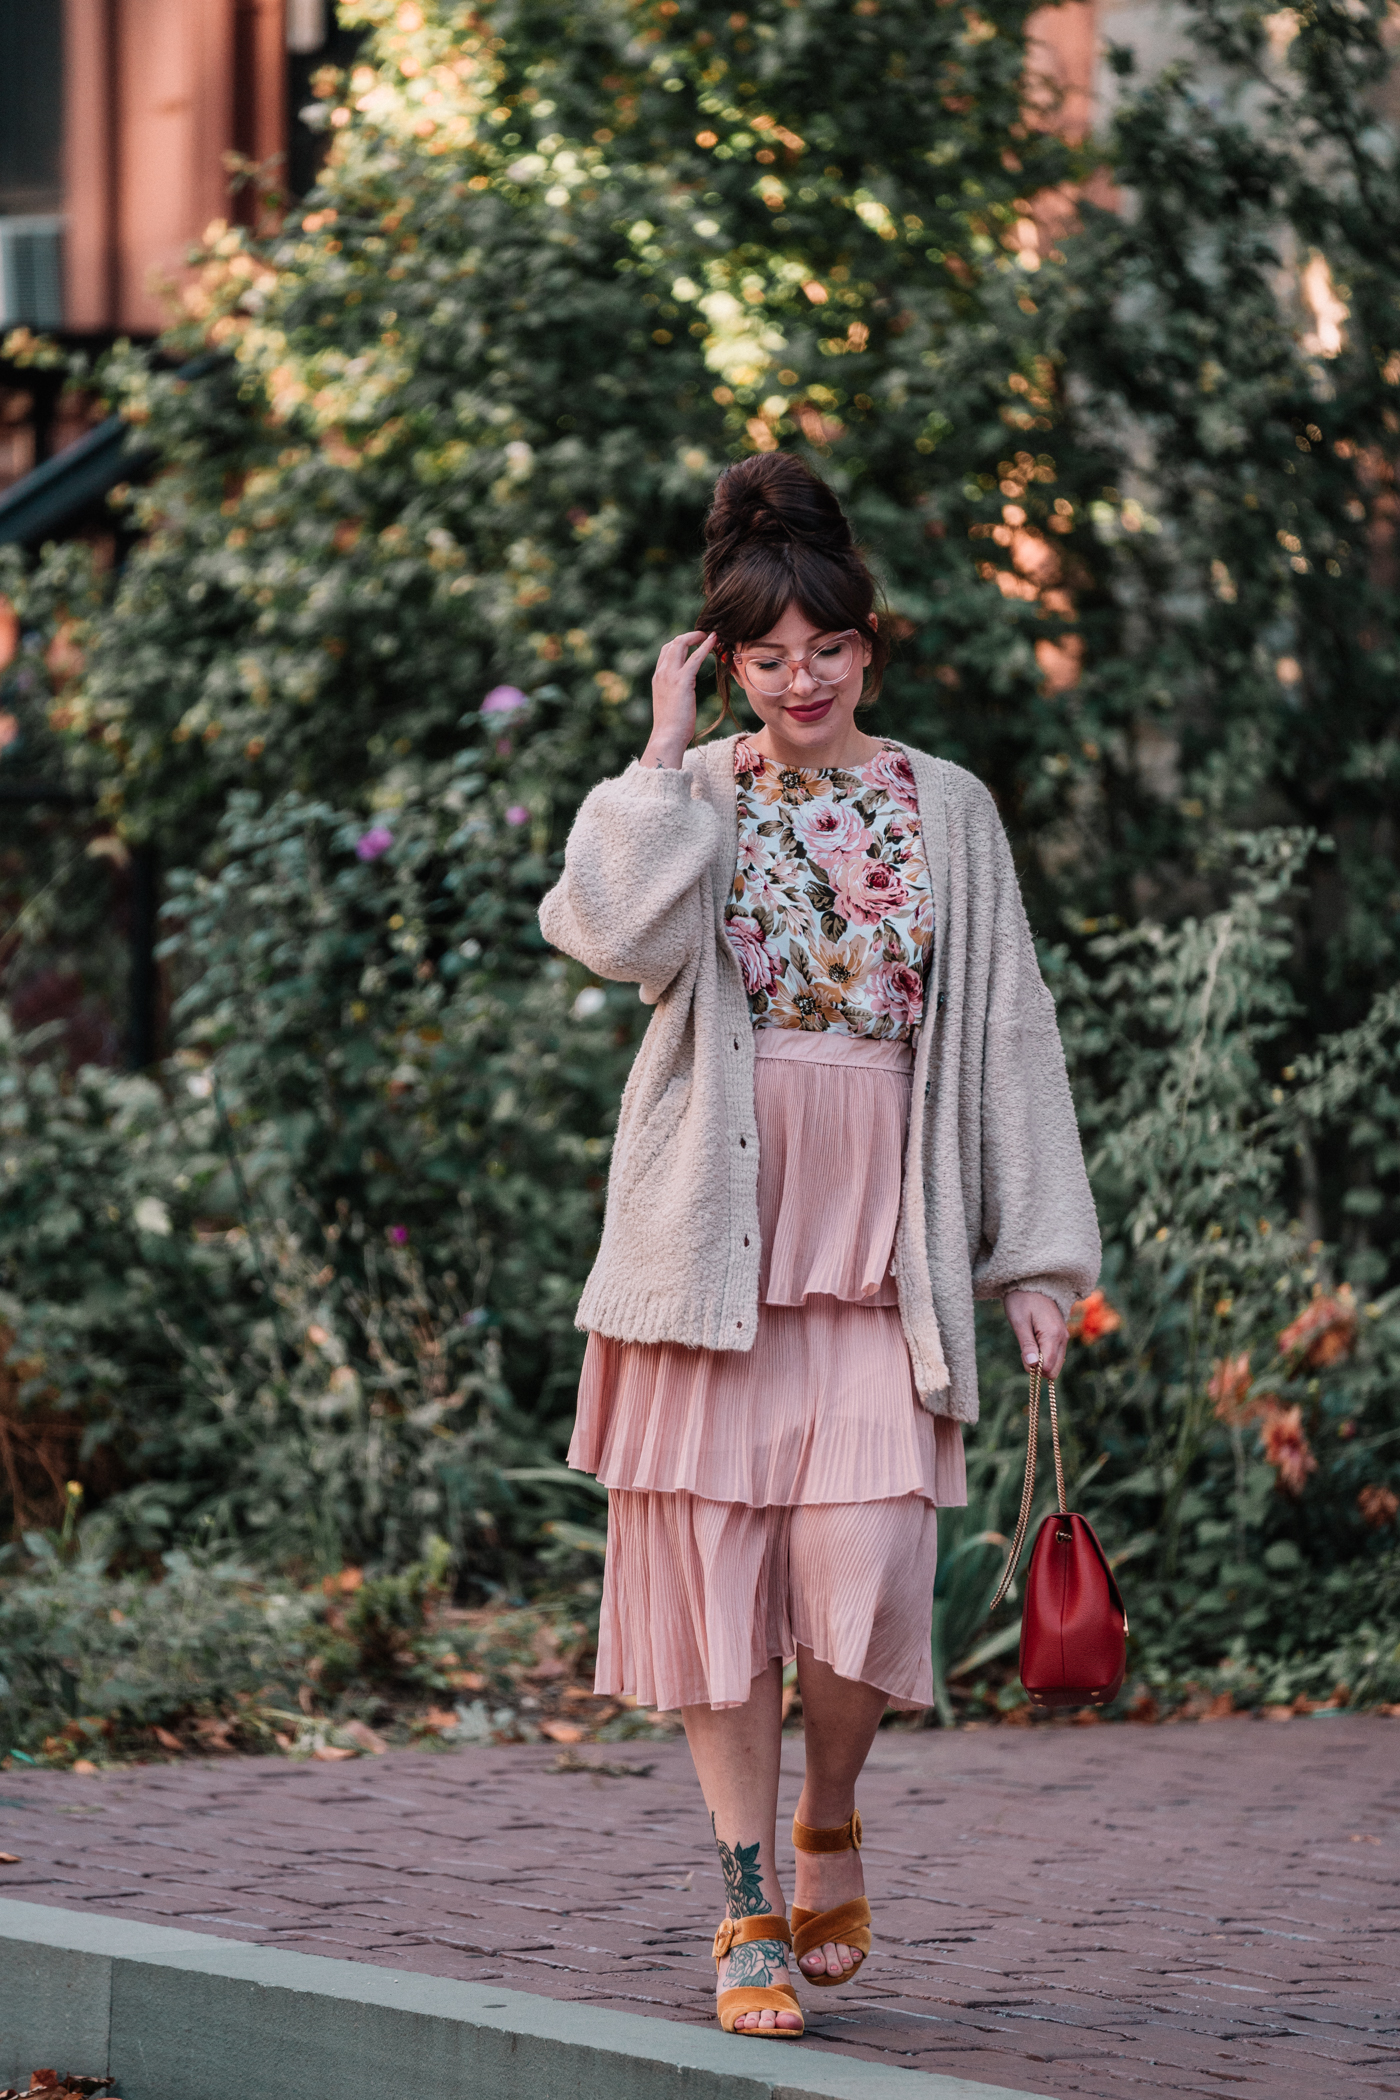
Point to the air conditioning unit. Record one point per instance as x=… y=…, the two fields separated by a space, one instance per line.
x=31 y=271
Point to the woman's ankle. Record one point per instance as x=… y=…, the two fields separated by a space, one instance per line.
x=824 y=1810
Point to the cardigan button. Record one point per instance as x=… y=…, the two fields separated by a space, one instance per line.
x=746 y=1239
x=743 y=1144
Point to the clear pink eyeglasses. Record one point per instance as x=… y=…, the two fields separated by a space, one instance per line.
x=769 y=672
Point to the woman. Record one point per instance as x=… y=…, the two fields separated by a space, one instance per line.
x=848 y=1119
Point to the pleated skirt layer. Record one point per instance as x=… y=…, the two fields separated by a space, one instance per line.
x=700 y=1596
x=822 y=1409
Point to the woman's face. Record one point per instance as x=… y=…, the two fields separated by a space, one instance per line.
x=818 y=709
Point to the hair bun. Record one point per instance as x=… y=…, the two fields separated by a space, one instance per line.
x=772 y=498
x=777 y=538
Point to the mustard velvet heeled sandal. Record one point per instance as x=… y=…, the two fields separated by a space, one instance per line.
x=845 y=1924
x=731 y=2005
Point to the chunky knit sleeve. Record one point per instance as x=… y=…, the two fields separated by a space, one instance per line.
x=632 y=903
x=1039 y=1229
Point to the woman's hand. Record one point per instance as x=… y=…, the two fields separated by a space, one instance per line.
x=1039 y=1326
x=673 y=699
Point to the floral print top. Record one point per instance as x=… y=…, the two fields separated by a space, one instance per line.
x=831 y=916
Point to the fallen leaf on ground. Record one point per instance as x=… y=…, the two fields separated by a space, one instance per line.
x=569 y=1761
x=166 y=1740
x=9 y=1859
x=440 y=1717
x=46 y=2085
x=332 y=1754
x=563 y=1731
x=359 y=1732
x=84 y=1765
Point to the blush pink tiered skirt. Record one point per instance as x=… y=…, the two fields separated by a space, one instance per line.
x=785 y=1496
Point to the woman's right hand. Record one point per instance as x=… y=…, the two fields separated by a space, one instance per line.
x=673 y=698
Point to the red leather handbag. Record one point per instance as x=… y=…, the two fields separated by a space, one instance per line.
x=1074 y=1630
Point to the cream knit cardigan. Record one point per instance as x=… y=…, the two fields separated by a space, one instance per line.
x=995 y=1194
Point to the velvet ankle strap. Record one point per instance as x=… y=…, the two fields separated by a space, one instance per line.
x=844 y=1838
x=737 y=1932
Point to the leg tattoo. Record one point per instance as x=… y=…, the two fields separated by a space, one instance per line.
x=758 y=1962
x=743 y=1878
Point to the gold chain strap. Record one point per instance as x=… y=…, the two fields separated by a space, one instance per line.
x=1028 y=1491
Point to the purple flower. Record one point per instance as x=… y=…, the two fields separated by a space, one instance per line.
x=517 y=814
x=373 y=842
x=398 y=1235
x=503 y=700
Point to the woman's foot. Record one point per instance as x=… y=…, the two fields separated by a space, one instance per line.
x=761 y=1965
x=825 y=1879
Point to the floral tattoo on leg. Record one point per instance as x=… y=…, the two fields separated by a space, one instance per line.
x=758 y=1963
x=743 y=1877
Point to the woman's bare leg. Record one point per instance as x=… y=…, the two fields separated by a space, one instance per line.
x=839 y=1720
x=736 y=1752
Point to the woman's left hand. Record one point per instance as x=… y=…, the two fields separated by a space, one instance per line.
x=1039 y=1326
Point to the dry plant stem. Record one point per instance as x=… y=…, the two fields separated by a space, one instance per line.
x=839 y=1721
x=736 y=1752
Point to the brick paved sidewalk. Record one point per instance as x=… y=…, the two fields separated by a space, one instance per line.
x=1107 y=1911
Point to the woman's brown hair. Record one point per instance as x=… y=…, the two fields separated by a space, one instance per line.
x=776 y=536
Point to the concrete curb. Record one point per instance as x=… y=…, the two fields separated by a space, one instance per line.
x=185 y=2014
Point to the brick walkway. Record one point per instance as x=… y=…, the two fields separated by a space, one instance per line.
x=1107 y=1911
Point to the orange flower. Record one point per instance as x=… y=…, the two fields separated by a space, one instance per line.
x=1378 y=1506
x=1324 y=1332
x=1092 y=1318
x=1286 y=1445
x=1229 y=1387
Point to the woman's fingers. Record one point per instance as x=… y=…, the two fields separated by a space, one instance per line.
x=1039 y=1327
x=673 y=661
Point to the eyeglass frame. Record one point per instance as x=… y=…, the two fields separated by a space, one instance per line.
x=796 y=664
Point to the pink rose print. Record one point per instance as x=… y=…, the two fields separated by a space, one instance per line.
x=868 y=891
x=897 y=990
x=746 y=759
x=829 y=830
x=760 y=966
x=892 y=771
